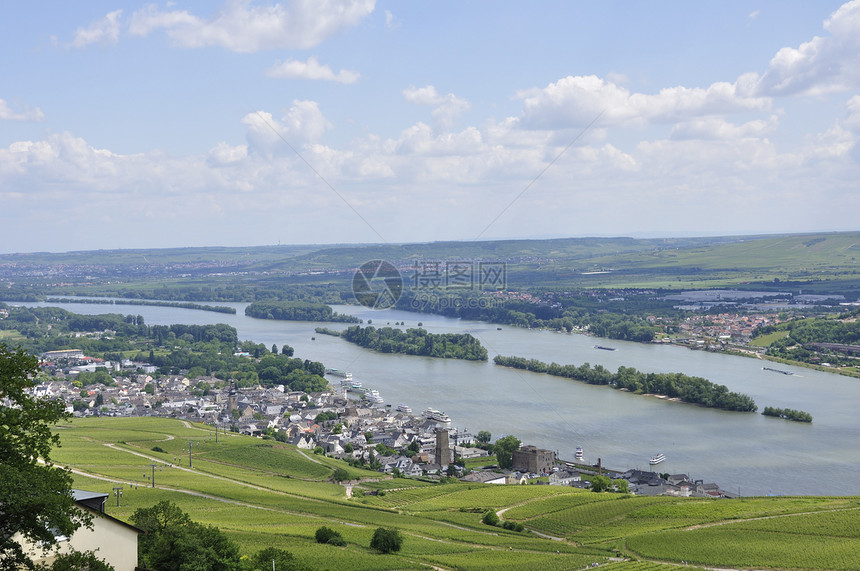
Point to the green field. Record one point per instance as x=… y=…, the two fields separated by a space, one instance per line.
x=262 y=493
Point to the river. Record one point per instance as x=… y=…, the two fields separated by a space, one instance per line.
x=744 y=453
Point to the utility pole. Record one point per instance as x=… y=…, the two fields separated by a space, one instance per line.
x=117 y=491
x=154 y=466
x=190 y=444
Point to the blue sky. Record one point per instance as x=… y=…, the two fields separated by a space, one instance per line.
x=131 y=125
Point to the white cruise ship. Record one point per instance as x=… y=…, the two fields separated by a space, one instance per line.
x=372 y=396
x=404 y=408
x=436 y=415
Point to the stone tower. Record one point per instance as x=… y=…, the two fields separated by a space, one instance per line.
x=443 y=452
x=232 y=399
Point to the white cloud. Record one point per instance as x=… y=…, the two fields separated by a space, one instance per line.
x=457 y=180
x=303 y=123
x=446 y=107
x=242 y=27
x=754 y=14
x=311 y=69
x=821 y=65
x=151 y=18
x=224 y=154
x=576 y=101
x=717 y=128
x=852 y=120
x=26 y=114
x=105 y=30
x=390 y=22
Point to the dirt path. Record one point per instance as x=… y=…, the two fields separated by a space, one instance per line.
x=727 y=522
x=537 y=533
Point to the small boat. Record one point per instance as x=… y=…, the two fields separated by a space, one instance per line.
x=579 y=455
x=498 y=328
x=656 y=459
x=372 y=396
x=605 y=348
x=777 y=371
x=404 y=408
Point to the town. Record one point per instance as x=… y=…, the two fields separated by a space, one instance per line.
x=347 y=422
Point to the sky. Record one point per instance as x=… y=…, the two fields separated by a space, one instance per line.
x=240 y=123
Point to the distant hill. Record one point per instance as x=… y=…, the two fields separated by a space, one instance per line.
x=554 y=263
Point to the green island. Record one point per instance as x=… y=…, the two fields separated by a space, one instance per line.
x=155 y=303
x=413 y=341
x=296 y=311
x=787 y=413
x=693 y=390
x=260 y=494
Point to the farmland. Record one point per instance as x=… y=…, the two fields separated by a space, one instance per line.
x=263 y=493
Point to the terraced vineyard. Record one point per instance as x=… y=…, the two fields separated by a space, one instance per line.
x=264 y=493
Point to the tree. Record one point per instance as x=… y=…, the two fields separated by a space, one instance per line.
x=35 y=498
x=505 y=448
x=173 y=542
x=340 y=475
x=484 y=436
x=490 y=518
x=283 y=561
x=600 y=483
x=386 y=540
x=622 y=486
x=330 y=536
x=77 y=561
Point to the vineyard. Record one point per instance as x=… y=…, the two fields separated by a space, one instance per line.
x=263 y=493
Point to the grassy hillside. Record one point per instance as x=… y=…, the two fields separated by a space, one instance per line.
x=818 y=263
x=265 y=494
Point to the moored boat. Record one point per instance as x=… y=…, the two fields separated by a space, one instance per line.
x=579 y=455
x=404 y=408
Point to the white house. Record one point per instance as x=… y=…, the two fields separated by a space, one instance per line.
x=112 y=540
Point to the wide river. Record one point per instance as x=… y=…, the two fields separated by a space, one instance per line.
x=744 y=453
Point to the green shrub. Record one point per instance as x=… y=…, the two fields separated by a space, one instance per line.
x=330 y=536
x=490 y=518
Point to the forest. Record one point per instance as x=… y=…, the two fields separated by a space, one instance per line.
x=567 y=312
